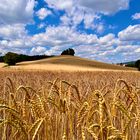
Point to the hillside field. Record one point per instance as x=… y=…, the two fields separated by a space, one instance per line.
x=69 y=63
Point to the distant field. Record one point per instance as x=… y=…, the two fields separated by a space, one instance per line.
x=69 y=63
x=2 y=65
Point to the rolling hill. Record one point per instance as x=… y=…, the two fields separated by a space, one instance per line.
x=71 y=62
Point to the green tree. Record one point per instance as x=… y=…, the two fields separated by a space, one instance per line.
x=137 y=64
x=68 y=52
x=11 y=58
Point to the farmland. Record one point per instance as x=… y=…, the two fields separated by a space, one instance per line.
x=56 y=105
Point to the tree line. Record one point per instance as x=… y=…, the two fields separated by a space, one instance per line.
x=12 y=58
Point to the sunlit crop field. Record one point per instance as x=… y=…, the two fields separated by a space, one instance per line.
x=47 y=105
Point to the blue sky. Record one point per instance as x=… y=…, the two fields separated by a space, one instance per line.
x=103 y=30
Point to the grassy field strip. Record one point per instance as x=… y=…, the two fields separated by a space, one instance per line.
x=60 y=67
x=2 y=65
x=56 y=67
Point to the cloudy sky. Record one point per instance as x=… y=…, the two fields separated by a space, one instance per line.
x=104 y=30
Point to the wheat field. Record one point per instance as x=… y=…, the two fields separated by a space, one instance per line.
x=70 y=63
x=47 y=105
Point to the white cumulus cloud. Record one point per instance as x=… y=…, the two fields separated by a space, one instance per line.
x=12 y=31
x=16 y=11
x=136 y=16
x=99 y=6
x=43 y=13
x=60 y=4
x=87 y=11
x=131 y=33
x=106 y=39
x=105 y=6
x=38 y=50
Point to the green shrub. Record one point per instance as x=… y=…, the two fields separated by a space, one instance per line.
x=137 y=64
x=68 y=52
x=11 y=58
